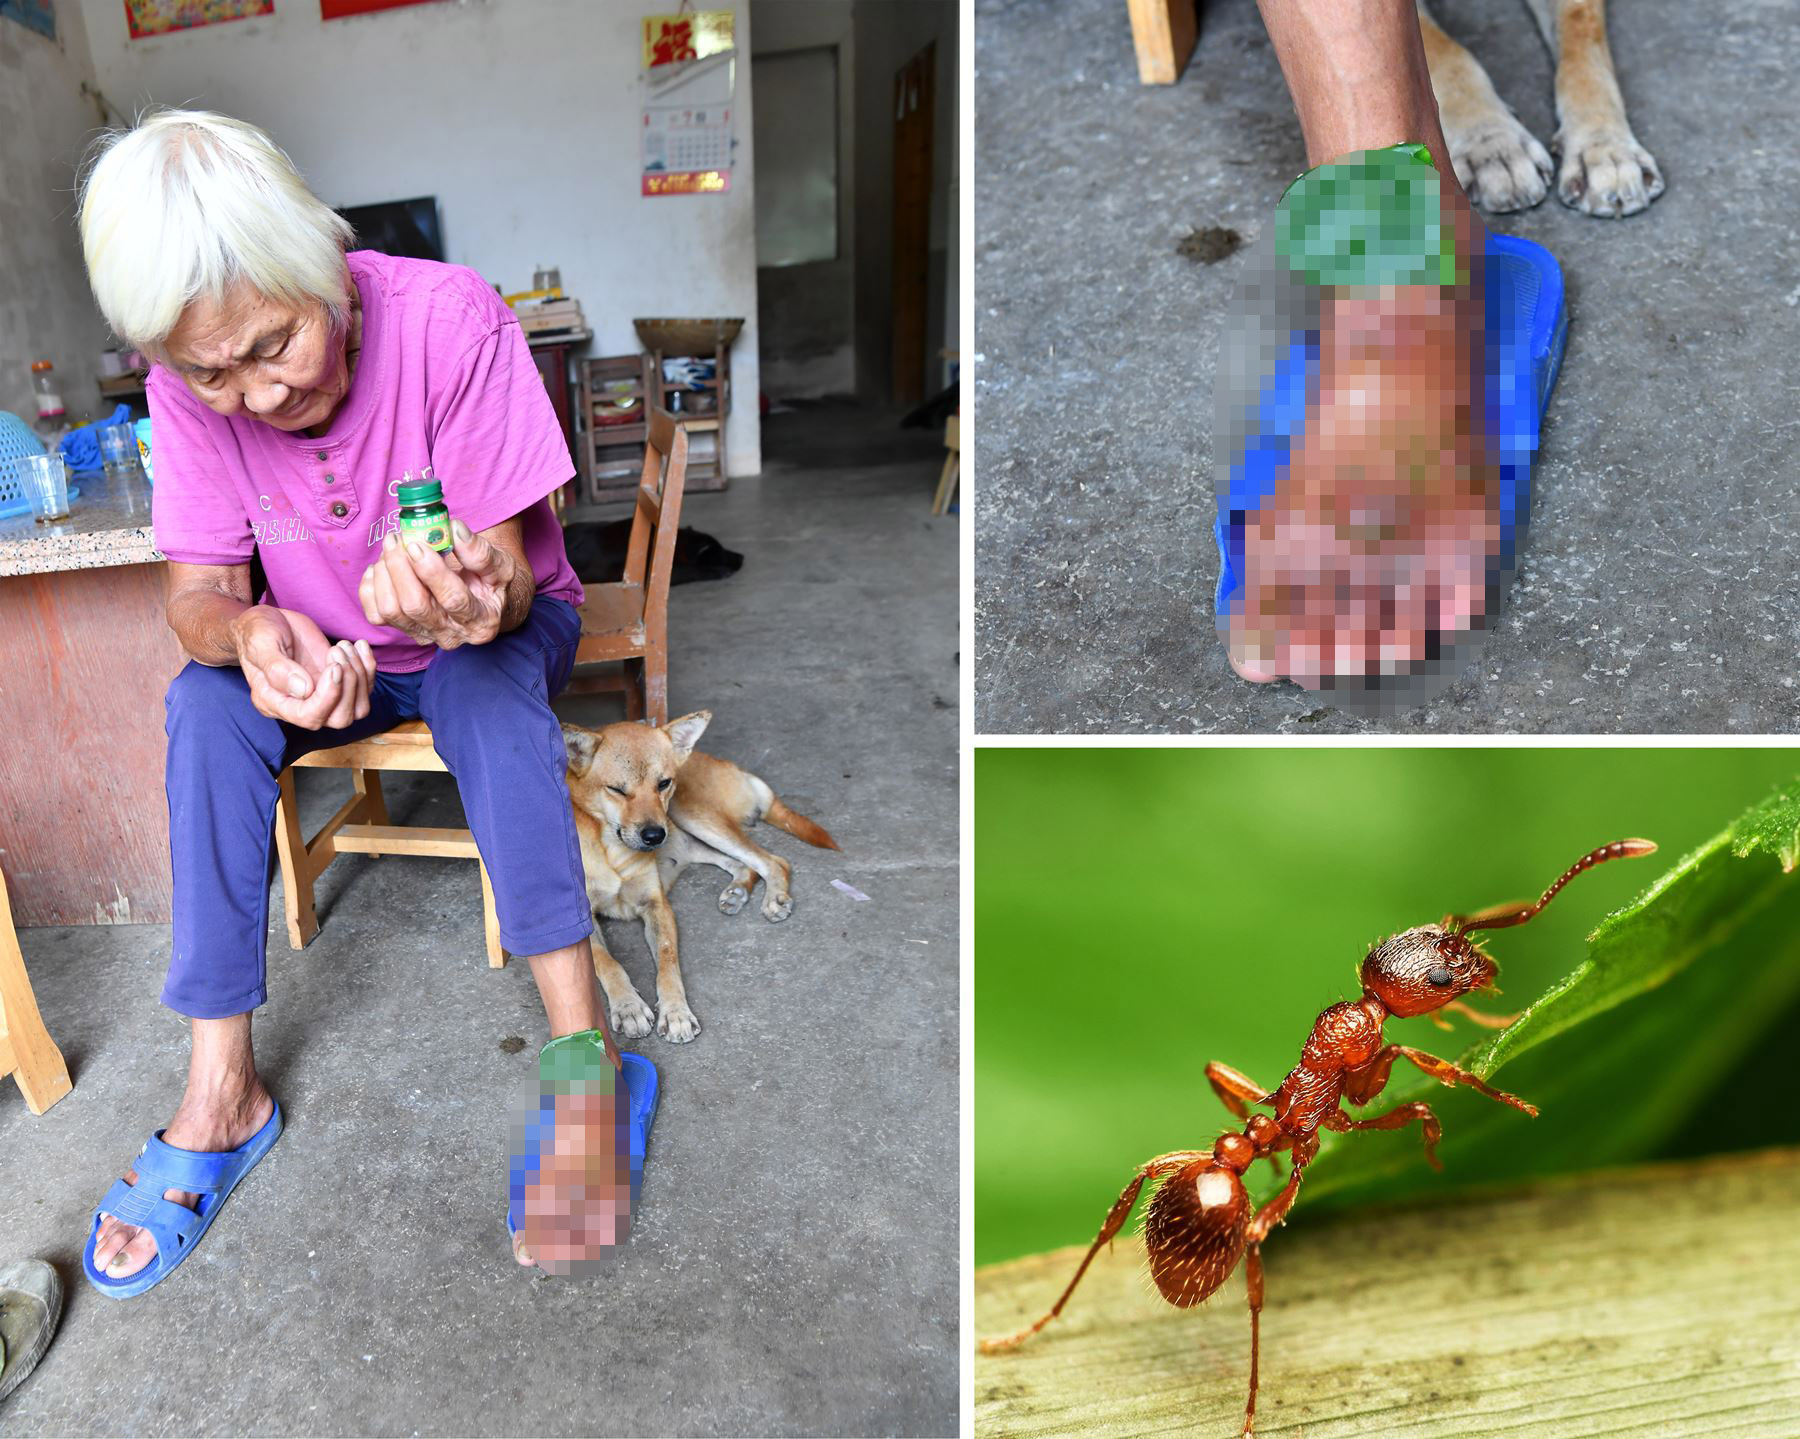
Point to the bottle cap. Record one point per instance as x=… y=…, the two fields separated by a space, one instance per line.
x=37 y=365
x=426 y=492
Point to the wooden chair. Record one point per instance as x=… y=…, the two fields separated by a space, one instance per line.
x=627 y=622
x=26 y=1050
x=623 y=623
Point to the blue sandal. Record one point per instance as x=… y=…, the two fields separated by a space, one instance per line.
x=641 y=1083
x=176 y=1228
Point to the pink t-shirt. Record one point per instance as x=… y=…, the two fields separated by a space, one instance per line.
x=445 y=388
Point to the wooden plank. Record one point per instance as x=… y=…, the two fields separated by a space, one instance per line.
x=1654 y=1301
x=85 y=660
x=419 y=840
x=1164 y=32
x=377 y=753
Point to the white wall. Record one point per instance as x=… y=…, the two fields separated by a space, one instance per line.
x=45 y=309
x=809 y=311
x=521 y=116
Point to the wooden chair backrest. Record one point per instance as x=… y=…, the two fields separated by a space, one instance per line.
x=650 y=554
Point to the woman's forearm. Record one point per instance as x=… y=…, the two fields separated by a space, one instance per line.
x=202 y=611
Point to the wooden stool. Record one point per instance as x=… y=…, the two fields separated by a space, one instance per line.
x=27 y=1052
x=361 y=826
x=1163 y=32
x=946 y=490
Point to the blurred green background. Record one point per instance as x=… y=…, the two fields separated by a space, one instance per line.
x=1139 y=912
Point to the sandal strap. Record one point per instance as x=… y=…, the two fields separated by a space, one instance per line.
x=169 y=1223
x=187 y=1169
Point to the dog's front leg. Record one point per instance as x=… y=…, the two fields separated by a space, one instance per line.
x=675 y=1022
x=1602 y=169
x=631 y=1017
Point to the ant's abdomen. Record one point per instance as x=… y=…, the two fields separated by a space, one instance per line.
x=1194 y=1231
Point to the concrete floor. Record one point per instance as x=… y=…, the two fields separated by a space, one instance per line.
x=794 y=1268
x=1657 y=591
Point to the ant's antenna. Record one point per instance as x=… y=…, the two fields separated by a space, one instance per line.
x=1508 y=915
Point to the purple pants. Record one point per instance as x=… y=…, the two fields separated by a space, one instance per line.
x=489 y=711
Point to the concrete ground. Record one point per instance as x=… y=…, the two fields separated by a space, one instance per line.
x=1657 y=591
x=794 y=1268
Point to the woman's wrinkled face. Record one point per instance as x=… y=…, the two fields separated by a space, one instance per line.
x=252 y=355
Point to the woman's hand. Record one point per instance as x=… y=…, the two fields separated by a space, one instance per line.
x=442 y=600
x=298 y=675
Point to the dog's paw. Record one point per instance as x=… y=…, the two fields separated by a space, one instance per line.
x=777 y=907
x=677 y=1023
x=632 y=1018
x=1605 y=172
x=1500 y=163
x=733 y=900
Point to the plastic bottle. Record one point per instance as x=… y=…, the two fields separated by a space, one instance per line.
x=424 y=516
x=52 y=422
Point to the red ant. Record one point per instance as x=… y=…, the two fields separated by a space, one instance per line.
x=1198 y=1223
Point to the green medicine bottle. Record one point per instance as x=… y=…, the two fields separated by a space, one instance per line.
x=424 y=516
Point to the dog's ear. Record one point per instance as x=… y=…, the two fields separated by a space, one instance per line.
x=685 y=732
x=581 y=745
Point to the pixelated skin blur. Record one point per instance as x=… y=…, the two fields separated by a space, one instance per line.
x=1366 y=543
x=572 y=1174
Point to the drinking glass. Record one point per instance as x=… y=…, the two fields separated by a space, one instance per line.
x=46 y=485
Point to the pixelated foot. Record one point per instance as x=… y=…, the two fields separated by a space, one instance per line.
x=777 y=907
x=631 y=1017
x=577 y=1208
x=677 y=1023
x=1373 y=552
x=1370 y=558
x=734 y=898
x=1500 y=163
x=1605 y=172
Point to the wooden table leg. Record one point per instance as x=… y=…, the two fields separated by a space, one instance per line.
x=26 y=1050
x=1164 y=32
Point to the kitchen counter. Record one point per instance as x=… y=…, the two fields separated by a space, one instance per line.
x=108 y=524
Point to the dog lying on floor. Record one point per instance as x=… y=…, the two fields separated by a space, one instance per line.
x=647 y=805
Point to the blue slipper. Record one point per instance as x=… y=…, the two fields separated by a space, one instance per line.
x=1527 y=327
x=641 y=1083
x=176 y=1228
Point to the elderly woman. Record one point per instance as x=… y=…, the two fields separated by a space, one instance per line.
x=296 y=387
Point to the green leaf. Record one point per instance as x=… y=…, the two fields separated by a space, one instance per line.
x=1688 y=974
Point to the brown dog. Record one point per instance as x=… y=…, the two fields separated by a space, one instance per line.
x=647 y=805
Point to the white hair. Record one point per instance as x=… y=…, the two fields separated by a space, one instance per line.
x=189 y=203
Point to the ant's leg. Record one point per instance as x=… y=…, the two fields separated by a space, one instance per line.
x=1397 y=1118
x=1234 y=1087
x=1115 y=1219
x=1486 y=1021
x=1445 y=1072
x=1253 y=1288
x=1362 y=1085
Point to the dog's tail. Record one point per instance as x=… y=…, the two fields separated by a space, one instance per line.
x=798 y=825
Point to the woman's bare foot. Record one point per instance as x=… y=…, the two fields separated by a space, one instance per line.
x=1373 y=553
x=579 y=1207
x=211 y=1127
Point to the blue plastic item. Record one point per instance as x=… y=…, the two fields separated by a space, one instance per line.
x=177 y=1228
x=17 y=440
x=81 y=447
x=641 y=1083
x=1527 y=327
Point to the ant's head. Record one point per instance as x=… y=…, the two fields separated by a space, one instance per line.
x=1424 y=969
